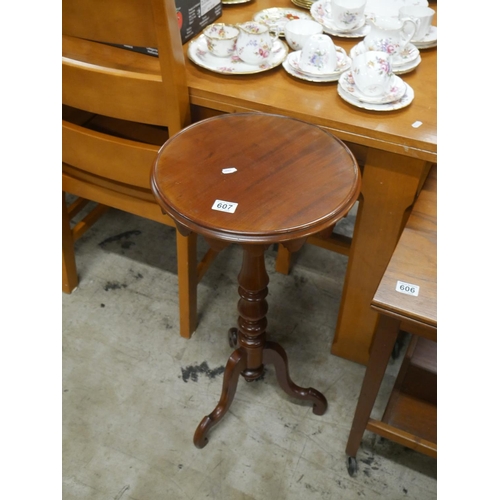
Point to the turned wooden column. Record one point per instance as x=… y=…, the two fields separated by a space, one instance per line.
x=252 y=309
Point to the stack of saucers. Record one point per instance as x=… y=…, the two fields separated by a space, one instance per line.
x=429 y=41
x=305 y=4
x=398 y=95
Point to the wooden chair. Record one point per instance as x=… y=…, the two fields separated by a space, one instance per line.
x=119 y=106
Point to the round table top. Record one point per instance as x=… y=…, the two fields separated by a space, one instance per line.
x=255 y=178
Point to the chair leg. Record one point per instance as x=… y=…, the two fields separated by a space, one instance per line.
x=283 y=260
x=188 y=280
x=69 y=272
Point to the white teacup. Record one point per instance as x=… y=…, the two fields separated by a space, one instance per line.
x=347 y=14
x=221 y=39
x=255 y=42
x=298 y=31
x=372 y=72
x=389 y=34
x=422 y=16
x=319 y=55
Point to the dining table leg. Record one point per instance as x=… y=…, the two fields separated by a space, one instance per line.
x=390 y=185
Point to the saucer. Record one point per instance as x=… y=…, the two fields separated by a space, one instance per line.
x=320 y=11
x=343 y=64
x=391 y=106
x=396 y=92
x=429 y=40
x=277 y=17
x=407 y=67
x=233 y=65
x=303 y=76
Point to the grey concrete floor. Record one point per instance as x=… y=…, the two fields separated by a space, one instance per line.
x=134 y=390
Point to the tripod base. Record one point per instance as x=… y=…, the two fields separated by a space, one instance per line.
x=273 y=354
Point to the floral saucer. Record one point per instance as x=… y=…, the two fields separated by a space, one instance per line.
x=391 y=106
x=308 y=78
x=396 y=91
x=277 y=17
x=321 y=12
x=233 y=65
x=429 y=41
x=407 y=67
x=343 y=64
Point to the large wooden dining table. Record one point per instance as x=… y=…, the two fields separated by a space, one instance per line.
x=395 y=150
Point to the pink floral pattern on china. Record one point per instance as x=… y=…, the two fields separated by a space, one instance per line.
x=395 y=92
x=384 y=45
x=380 y=64
x=390 y=106
x=218 y=31
x=199 y=54
x=260 y=48
x=408 y=54
x=276 y=17
x=254 y=28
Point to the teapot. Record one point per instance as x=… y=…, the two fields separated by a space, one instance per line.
x=389 y=34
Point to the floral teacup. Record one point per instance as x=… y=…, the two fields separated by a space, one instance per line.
x=389 y=34
x=319 y=55
x=348 y=15
x=255 y=42
x=299 y=30
x=372 y=72
x=221 y=39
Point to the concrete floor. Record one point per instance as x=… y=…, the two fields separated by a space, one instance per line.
x=134 y=390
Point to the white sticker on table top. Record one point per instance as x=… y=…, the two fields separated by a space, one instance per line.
x=224 y=206
x=407 y=288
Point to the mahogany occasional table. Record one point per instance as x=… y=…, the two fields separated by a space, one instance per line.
x=255 y=179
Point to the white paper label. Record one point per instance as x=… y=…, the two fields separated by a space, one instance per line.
x=224 y=206
x=407 y=288
x=207 y=5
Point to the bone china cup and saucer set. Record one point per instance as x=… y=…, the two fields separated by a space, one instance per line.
x=393 y=33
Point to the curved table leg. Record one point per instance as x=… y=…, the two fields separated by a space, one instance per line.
x=235 y=365
x=275 y=354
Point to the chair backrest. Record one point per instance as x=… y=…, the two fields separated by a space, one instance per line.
x=104 y=80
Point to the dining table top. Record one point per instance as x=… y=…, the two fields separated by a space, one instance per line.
x=410 y=131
